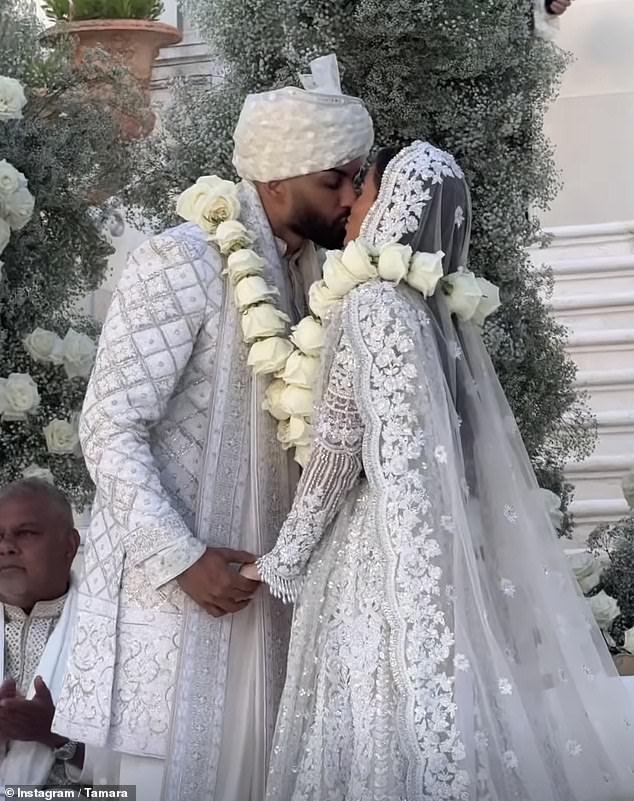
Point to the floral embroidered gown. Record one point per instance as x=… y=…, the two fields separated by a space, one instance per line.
x=440 y=649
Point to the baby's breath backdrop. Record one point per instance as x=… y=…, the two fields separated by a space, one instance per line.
x=469 y=75
x=58 y=142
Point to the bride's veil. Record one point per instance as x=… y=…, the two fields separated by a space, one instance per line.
x=507 y=689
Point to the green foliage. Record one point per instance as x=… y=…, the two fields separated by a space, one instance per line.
x=468 y=75
x=76 y=10
x=67 y=144
x=616 y=542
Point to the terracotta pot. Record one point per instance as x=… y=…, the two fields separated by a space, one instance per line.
x=135 y=41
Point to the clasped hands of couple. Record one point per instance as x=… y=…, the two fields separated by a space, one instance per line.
x=214 y=583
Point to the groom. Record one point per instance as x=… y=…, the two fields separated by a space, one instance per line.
x=190 y=479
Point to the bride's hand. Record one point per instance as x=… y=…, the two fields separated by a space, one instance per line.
x=250 y=571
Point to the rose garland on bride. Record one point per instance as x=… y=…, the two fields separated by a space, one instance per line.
x=292 y=356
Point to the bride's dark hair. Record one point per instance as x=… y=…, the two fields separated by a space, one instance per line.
x=383 y=158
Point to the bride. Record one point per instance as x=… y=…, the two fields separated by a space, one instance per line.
x=440 y=648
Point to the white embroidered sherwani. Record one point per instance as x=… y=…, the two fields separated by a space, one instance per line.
x=183 y=457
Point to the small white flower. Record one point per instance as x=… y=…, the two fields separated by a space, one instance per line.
x=309 y=336
x=459 y=217
x=322 y=300
x=463 y=293
x=301 y=371
x=232 y=236
x=19 y=396
x=270 y=355
x=507 y=587
x=425 y=272
x=251 y=291
x=209 y=202
x=273 y=400
x=18 y=208
x=297 y=401
x=62 y=437
x=12 y=98
x=10 y=180
x=574 y=748
x=44 y=346
x=440 y=454
x=242 y=264
x=35 y=471
x=394 y=260
x=510 y=514
x=461 y=662
x=264 y=320
x=505 y=687
x=78 y=353
x=510 y=760
x=489 y=302
x=605 y=609
x=586 y=569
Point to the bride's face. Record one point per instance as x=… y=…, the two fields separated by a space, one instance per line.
x=362 y=205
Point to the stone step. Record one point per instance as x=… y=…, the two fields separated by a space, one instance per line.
x=593 y=274
x=595 y=312
x=608 y=389
x=612 y=349
x=600 y=476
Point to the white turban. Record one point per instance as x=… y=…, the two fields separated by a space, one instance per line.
x=290 y=132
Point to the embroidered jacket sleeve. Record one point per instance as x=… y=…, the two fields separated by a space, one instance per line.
x=332 y=471
x=156 y=315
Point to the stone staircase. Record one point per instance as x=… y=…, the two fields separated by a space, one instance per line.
x=594 y=298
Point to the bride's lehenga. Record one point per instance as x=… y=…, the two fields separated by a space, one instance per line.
x=440 y=649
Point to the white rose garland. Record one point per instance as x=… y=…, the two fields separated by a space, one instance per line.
x=293 y=359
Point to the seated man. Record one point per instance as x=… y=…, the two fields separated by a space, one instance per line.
x=38 y=543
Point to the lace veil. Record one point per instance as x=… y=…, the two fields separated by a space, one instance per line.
x=507 y=688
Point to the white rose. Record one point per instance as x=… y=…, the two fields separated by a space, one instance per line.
x=309 y=336
x=18 y=396
x=629 y=640
x=5 y=234
x=321 y=300
x=269 y=355
x=302 y=454
x=297 y=401
x=586 y=570
x=232 y=236
x=18 y=209
x=209 y=202
x=295 y=433
x=243 y=264
x=62 y=437
x=552 y=503
x=605 y=609
x=425 y=272
x=394 y=260
x=273 y=400
x=356 y=259
x=44 y=346
x=35 y=471
x=263 y=321
x=463 y=293
x=10 y=179
x=628 y=488
x=301 y=371
x=337 y=279
x=12 y=98
x=252 y=290
x=78 y=352
x=489 y=302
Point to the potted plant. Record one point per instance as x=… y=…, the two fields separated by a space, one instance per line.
x=127 y=30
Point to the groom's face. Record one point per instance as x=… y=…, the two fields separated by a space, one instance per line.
x=318 y=205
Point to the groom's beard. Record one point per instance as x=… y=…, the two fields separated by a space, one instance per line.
x=324 y=233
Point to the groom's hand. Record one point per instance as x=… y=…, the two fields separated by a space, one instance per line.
x=214 y=585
